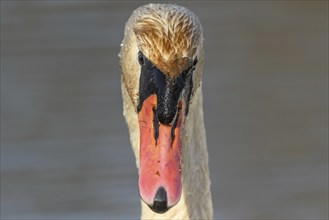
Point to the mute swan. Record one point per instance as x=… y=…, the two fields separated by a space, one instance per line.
x=161 y=62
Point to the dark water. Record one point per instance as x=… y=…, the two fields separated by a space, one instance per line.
x=65 y=151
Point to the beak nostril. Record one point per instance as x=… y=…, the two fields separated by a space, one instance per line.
x=160 y=201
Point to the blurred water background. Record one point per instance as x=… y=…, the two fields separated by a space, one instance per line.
x=65 y=151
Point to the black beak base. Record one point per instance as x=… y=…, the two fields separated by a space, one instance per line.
x=167 y=89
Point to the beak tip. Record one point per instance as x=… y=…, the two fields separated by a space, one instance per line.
x=160 y=203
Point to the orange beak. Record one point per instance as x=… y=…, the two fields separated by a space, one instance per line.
x=160 y=181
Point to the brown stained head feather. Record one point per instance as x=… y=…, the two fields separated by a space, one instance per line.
x=168 y=35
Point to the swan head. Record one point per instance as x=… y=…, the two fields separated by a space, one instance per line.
x=161 y=63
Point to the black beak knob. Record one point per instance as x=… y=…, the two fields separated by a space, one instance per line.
x=165 y=117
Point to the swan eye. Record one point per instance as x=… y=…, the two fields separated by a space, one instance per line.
x=141 y=58
x=195 y=61
x=185 y=74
